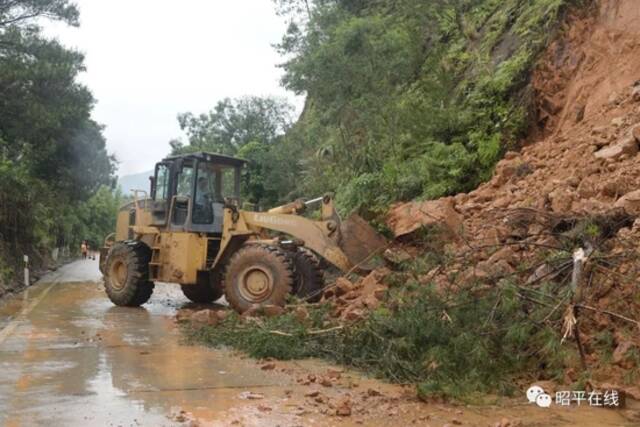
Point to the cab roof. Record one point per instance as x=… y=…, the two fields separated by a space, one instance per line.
x=217 y=159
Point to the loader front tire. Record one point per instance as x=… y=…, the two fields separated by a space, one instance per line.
x=257 y=275
x=309 y=280
x=127 y=274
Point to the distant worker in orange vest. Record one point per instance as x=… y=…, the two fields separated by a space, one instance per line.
x=84 y=248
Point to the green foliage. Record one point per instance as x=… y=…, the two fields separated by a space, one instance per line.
x=449 y=345
x=53 y=156
x=410 y=98
x=234 y=123
x=96 y=218
x=251 y=128
x=405 y=99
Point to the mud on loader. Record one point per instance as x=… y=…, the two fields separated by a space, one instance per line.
x=190 y=230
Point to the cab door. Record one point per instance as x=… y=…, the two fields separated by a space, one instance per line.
x=160 y=194
x=182 y=202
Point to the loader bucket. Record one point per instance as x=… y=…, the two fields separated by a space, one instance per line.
x=360 y=241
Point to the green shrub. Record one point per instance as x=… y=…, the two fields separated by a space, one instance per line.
x=453 y=345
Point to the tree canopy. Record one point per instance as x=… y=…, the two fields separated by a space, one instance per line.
x=252 y=128
x=410 y=98
x=53 y=156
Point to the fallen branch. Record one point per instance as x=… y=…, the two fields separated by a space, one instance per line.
x=311 y=332
x=280 y=333
x=325 y=331
x=610 y=313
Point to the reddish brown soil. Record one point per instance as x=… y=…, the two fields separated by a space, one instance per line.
x=582 y=161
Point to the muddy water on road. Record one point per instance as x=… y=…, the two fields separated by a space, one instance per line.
x=68 y=357
x=75 y=359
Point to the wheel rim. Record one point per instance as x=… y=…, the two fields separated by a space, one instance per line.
x=118 y=274
x=256 y=284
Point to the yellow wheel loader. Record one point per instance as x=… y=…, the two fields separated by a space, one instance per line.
x=190 y=230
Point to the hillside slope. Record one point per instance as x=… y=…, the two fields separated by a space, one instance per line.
x=576 y=184
x=480 y=293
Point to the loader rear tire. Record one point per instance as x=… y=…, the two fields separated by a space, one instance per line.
x=309 y=280
x=206 y=291
x=127 y=274
x=257 y=275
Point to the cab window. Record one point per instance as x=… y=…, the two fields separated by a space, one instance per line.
x=185 y=181
x=206 y=194
x=162 y=183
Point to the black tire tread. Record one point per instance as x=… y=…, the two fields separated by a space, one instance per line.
x=259 y=253
x=203 y=293
x=309 y=277
x=138 y=289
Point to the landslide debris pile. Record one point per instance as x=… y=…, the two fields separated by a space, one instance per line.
x=480 y=287
x=578 y=186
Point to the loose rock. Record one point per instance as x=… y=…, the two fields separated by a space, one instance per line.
x=406 y=218
x=628 y=146
x=344 y=408
x=205 y=317
x=630 y=202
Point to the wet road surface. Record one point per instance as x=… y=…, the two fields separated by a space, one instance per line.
x=68 y=357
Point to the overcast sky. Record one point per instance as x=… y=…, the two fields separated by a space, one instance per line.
x=148 y=60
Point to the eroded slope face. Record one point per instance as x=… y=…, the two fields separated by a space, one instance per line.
x=585 y=86
x=575 y=184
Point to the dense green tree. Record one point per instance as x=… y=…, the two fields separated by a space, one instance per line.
x=409 y=98
x=252 y=128
x=53 y=156
x=97 y=216
x=234 y=123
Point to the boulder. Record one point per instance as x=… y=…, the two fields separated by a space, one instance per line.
x=630 y=202
x=374 y=280
x=205 y=317
x=343 y=409
x=617 y=186
x=628 y=146
x=406 y=218
x=561 y=200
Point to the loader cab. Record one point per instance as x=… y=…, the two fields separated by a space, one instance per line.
x=189 y=192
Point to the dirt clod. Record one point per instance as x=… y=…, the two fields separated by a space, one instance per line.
x=343 y=408
x=205 y=317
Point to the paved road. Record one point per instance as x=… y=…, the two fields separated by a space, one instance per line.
x=68 y=357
